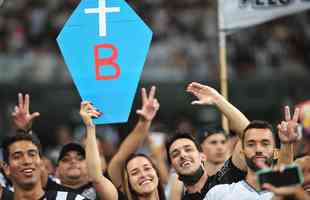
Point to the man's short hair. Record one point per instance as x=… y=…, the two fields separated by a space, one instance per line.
x=73 y=146
x=211 y=131
x=16 y=137
x=257 y=124
x=177 y=136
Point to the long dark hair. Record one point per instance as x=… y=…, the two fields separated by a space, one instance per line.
x=130 y=193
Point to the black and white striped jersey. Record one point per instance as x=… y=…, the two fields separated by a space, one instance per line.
x=61 y=195
x=86 y=190
x=53 y=195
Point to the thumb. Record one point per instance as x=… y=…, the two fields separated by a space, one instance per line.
x=267 y=186
x=196 y=103
x=139 y=112
x=34 y=115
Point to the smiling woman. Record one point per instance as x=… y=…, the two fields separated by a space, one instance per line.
x=140 y=179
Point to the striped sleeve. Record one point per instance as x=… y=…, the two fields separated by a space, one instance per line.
x=79 y=197
x=62 y=195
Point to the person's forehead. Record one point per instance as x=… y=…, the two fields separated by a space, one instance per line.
x=258 y=134
x=138 y=162
x=72 y=153
x=23 y=145
x=215 y=137
x=180 y=143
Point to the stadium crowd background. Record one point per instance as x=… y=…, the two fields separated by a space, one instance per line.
x=268 y=66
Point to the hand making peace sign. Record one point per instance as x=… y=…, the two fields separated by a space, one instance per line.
x=287 y=130
x=150 y=104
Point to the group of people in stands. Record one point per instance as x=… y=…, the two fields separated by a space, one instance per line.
x=201 y=170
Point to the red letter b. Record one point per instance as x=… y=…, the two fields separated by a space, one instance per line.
x=106 y=61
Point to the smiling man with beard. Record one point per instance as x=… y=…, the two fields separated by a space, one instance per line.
x=258 y=146
x=188 y=161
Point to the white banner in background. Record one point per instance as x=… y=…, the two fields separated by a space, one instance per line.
x=237 y=14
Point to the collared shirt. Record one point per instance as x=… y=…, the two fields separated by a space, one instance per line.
x=241 y=191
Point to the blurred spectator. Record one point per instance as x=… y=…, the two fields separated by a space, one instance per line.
x=185 y=125
x=109 y=140
x=63 y=135
x=104 y=163
x=49 y=166
x=278 y=48
x=214 y=144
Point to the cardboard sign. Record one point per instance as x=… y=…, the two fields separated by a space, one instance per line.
x=104 y=44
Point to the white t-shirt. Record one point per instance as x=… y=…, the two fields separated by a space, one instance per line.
x=238 y=191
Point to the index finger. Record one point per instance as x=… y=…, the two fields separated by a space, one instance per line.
x=20 y=100
x=26 y=103
x=287 y=113
x=195 y=86
x=152 y=93
x=296 y=115
x=143 y=95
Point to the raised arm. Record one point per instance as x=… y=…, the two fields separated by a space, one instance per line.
x=104 y=186
x=157 y=152
x=176 y=190
x=21 y=117
x=132 y=142
x=208 y=96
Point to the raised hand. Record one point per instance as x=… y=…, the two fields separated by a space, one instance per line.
x=150 y=105
x=21 y=117
x=206 y=95
x=287 y=130
x=87 y=112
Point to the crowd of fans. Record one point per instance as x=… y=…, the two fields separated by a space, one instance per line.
x=103 y=164
x=28 y=31
x=152 y=165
